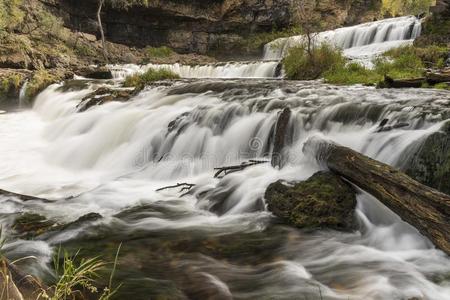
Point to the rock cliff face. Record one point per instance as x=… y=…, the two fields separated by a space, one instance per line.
x=197 y=25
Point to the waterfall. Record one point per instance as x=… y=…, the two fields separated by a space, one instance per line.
x=265 y=69
x=112 y=159
x=364 y=40
x=23 y=94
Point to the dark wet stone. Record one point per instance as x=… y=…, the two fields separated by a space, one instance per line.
x=430 y=164
x=104 y=95
x=322 y=201
x=30 y=225
x=95 y=73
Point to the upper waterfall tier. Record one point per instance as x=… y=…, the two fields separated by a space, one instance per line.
x=368 y=37
x=265 y=69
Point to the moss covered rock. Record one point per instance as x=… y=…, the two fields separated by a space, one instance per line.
x=30 y=225
x=322 y=201
x=430 y=164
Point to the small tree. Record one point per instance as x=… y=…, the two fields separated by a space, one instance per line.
x=309 y=21
x=120 y=4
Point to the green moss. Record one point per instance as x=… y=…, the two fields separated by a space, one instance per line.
x=406 y=7
x=442 y=86
x=301 y=64
x=352 y=73
x=40 y=80
x=430 y=165
x=158 y=52
x=324 y=200
x=256 y=41
x=141 y=80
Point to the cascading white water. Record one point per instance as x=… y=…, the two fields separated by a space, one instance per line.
x=116 y=155
x=227 y=70
x=358 y=42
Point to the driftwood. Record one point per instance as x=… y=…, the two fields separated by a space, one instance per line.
x=184 y=187
x=403 y=83
x=22 y=197
x=280 y=137
x=230 y=169
x=421 y=206
x=382 y=127
x=434 y=78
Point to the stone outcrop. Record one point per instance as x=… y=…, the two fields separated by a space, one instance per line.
x=198 y=26
x=322 y=201
x=430 y=164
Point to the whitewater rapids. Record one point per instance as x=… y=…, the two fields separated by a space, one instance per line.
x=219 y=241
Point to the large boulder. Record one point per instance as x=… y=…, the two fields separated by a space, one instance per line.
x=430 y=163
x=323 y=201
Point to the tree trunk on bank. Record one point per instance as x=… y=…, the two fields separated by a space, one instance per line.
x=279 y=142
x=421 y=206
x=100 y=26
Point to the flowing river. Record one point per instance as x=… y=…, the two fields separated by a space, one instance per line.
x=218 y=241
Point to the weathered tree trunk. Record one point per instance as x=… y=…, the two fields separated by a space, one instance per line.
x=100 y=26
x=279 y=141
x=403 y=83
x=434 y=78
x=421 y=206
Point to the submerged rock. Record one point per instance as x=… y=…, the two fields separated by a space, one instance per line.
x=95 y=72
x=30 y=225
x=322 y=201
x=104 y=95
x=430 y=164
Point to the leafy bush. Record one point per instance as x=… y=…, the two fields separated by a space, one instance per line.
x=352 y=73
x=141 y=80
x=301 y=64
x=258 y=40
x=10 y=14
x=431 y=56
x=159 y=52
x=406 y=7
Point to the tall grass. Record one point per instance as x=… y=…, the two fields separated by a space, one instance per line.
x=141 y=80
x=301 y=64
x=75 y=276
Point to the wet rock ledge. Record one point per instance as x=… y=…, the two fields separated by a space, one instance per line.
x=323 y=201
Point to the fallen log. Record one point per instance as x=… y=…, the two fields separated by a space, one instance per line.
x=22 y=197
x=421 y=206
x=280 y=137
x=230 y=169
x=184 y=187
x=403 y=83
x=435 y=78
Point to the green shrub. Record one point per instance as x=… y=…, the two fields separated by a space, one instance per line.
x=159 y=52
x=40 y=80
x=256 y=41
x=352 y=73
x=141 y=80
x=404 y=66
x=442 y=86
x=11 y=14
x=301 y=64
x=431 y=56
x=406 y=7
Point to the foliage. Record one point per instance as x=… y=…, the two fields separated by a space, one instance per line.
x=442 y=86
x=352 y=73
x=406 y=7
x=76 y=275
x=402 y=67
x=11 y=82
x=141 y=80
x=159 y=52
x=431 y=56
x=11 y=14
x=40 y=80
x=256 y=41
x=301 y=64
x=125 y=4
